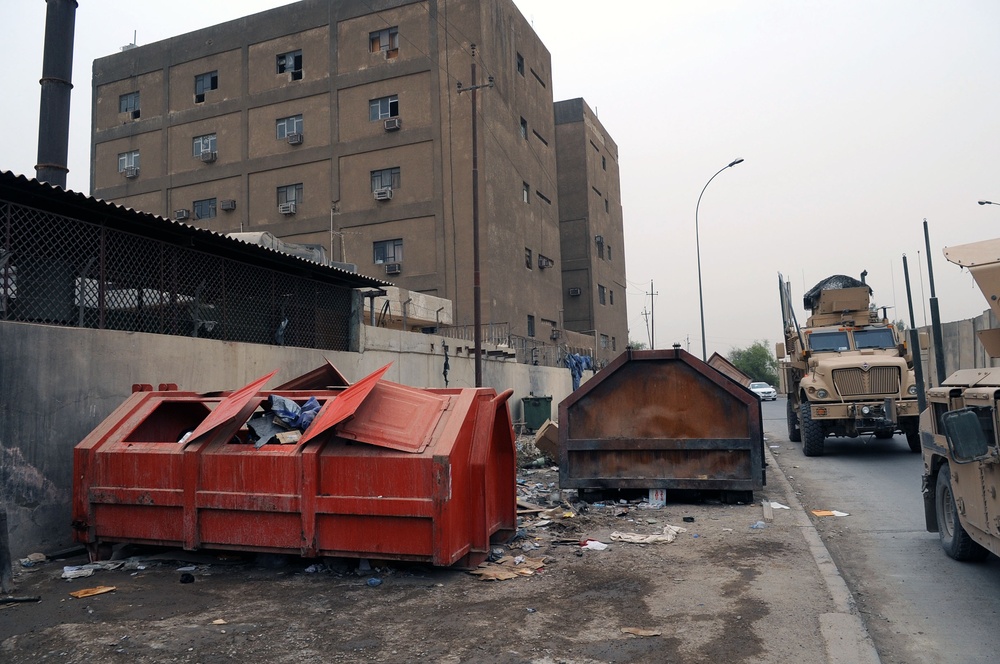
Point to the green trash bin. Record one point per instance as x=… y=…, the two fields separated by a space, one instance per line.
x=536 y=410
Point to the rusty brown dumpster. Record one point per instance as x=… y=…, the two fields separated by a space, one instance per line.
x=662 y=419
x=384 y=471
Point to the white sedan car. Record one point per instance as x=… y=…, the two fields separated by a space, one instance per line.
x=764 y=391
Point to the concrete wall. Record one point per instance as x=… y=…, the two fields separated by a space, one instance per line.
x=57 y=384
x=962 y=349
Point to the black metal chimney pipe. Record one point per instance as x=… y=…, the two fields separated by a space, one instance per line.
x=57 y=83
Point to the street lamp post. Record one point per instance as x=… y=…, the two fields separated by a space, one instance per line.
x=697 y=244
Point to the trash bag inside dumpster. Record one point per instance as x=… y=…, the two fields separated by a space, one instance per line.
x=281 y=416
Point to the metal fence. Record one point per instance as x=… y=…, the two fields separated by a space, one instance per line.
x=63 y=271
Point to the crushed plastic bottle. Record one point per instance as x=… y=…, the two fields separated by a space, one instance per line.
x=760 y=525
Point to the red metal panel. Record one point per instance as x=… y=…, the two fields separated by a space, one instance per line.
x=234 y=408
x=344 y=406
x=395 y=416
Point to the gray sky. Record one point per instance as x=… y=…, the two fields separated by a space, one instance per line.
x=857 y=119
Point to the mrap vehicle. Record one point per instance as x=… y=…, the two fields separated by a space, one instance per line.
x=958 y=433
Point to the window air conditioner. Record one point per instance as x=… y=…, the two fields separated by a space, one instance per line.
x=227 y=204
x=208 y=156
x=287 y=208
x=294 y=139
x=131 y=172
x=392 y=268
x=392 y=124
x=555 y=334
x=181 y=214
x=544 y=262
x=383 y=194
x=575 y=292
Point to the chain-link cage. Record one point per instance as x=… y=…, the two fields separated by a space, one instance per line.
x=62 y=271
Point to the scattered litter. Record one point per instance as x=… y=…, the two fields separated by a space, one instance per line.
x=90 y=592
x=669 y=534
x=688 y=519
x=219 y=621
x=829 y=513
x=594 y=545
x=637 y=631
x=760 y=525
x=188 y=568
x=374 y=581
x=727 y=530
x=508 y=567
x=779 y=506
x=657 y=497
x=529 y=546
x=313 y=569
x=33 y=559
x=532 y=610
x=76 y=572
x=17 y=600
x=774 y=447
x=541 y=523
x=187 y=578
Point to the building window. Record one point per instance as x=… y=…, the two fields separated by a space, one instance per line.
x=520 y=64
x=614 y=343
x=128 y=160
x=291 y=63
x=203 y=144
x=538 y=78
x=388 y=251
x=531 y=326
x=540 y=137
x=525 y=192
x=129 y=103
x=387 y=178
x=386 y=41
x=602 y=294
x=604 y=162
x=203 y=83
x=605 y=341
x=524 y=129
x=527 y=259
x=608 y=247
x=607 y=207
x=600 y=246
x=290 y=125
x=383 y=107
x=290 y=193
x=543 y=197
x=204 y=209
x=611 y=297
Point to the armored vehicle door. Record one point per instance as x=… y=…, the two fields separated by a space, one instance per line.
x=972 y=442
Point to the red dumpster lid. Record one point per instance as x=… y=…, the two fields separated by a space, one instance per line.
x=381 y=413
x=232 y=408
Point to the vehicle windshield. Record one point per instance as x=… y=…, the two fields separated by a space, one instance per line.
x=880 y=337
x=755 y=386
x=829 y=341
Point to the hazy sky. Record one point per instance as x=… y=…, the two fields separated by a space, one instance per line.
x=857 y=119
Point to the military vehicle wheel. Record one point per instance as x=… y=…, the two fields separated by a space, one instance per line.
x=794 y=433
x=954 y=540
x=884 y=434
x=812 y=432
x=912 y=438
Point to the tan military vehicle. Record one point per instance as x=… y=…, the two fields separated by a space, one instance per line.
x=847 y=372
x=958 y=431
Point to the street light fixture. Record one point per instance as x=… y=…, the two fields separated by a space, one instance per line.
x=697 y=242
x=988 y=203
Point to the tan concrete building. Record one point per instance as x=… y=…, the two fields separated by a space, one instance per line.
x=591 y=228
x=323 y=122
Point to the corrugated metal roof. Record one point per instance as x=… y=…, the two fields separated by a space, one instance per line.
x=55 y=200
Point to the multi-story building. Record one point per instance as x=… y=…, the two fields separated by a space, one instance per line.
x=590 y=227
x=329 y=122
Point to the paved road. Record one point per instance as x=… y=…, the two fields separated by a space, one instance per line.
x=919 y=605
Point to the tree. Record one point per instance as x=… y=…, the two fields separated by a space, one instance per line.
x=637 y=345
x=756 y=361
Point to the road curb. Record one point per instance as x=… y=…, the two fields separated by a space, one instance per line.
x=846 y=637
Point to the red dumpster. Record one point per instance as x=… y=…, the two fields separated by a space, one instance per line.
x=384 y=471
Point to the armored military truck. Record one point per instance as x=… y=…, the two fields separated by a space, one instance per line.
x=958 y=432
x=845 y=372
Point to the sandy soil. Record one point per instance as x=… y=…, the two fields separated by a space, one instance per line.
x=722 y=592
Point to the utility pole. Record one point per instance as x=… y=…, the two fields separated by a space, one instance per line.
x=476 y=287
x=645 y=317
x=652 y=318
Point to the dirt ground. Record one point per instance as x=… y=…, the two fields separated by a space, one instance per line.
x=721 y=592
